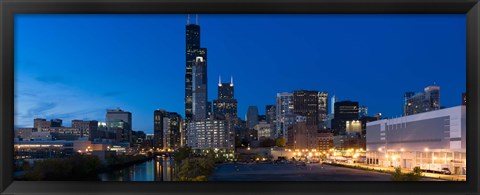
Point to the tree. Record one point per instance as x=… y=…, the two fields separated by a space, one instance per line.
x=397 y=175
x=280 y=142
x=182 y=154
x=414 y=175
x=267 y=142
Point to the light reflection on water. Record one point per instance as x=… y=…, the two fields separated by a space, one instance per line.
x=157 y=169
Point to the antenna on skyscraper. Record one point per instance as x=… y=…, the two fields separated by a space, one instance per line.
x=196 y=19
x=219 y=80
x=231 y=80
x=188 y=19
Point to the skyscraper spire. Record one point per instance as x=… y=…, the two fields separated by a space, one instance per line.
x=219 y=80
x=231 y=80
x=188 y=19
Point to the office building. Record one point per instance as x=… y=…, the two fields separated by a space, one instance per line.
x=305 y=103
x=85 y=127
x=322 y=109
x=199 y=91
x=225 y=106
x=193 y=50
x=284 y=106
x=325 y=141
x=264 y=130
x=56 y=123
x=262 y=118
x=344 y=111
x=41 y=123
x=430 y=140
x=210 y=134
x=425 y=101
x=172 y=129
x=271 y=112
x=119 y=119
x=303 y=136
x=158 y=124
x=252 y=116
x=332 y=104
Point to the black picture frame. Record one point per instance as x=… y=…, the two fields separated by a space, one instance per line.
x=8 y=8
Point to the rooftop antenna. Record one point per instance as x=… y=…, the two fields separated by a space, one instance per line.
x=188 y=19
x=219 y=80
x=196 y=19
x=231 y=80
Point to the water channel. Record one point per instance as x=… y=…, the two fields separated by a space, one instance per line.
x=157 y=169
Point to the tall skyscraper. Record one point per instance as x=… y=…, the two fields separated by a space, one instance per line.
x=226 y=104
x=425 y=101
x=284 y=108
x=199 y=91
x=158 y=116
x=305 y=103
x=193 y=50
x=322 y=109
x=332 y=104
x=225 y=90
x=252 y=116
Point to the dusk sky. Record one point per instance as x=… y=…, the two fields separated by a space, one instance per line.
x=77 y=66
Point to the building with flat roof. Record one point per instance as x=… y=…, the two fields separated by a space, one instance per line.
x=425 y=101
x=430 y=140
x=210 y=134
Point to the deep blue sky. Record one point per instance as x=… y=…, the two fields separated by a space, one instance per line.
x=76 y=66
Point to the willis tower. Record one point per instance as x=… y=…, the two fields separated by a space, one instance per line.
x=193 y=50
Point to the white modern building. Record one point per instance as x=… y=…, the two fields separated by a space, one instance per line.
x=264 y=130
x=209 y=134
x=432 y=140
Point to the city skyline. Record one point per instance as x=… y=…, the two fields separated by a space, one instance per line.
x=124 y=90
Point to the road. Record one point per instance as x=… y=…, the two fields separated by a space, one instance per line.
x=290 y=172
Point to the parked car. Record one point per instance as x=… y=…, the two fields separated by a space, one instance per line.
x=300 y=163
x=446 y=171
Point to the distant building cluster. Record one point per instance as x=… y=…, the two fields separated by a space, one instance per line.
x=50 y=138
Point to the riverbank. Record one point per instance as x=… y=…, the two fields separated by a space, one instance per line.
x=76 y=168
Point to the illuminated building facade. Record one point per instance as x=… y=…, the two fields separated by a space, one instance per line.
x=430 y=140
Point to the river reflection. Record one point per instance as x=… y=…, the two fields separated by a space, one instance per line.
x=157 y=169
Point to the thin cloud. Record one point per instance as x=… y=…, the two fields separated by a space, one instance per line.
x=35 y=98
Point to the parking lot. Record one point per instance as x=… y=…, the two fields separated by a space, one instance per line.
x=292 y=172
